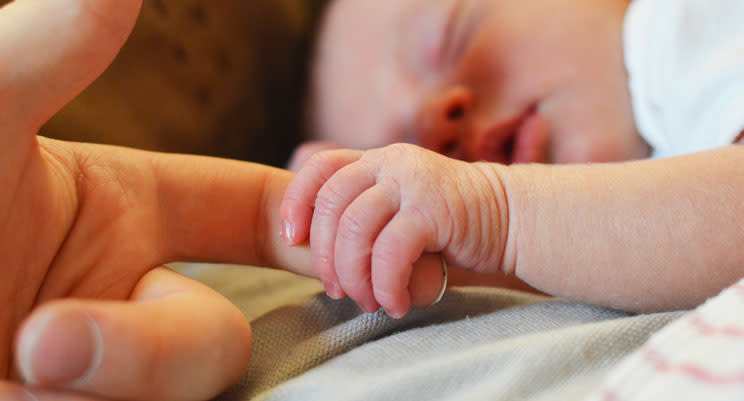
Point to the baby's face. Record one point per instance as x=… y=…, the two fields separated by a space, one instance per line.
x=498 y=80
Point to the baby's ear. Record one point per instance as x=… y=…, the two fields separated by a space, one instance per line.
x=305 y=151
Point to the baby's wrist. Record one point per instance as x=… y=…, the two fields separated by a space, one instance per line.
x=495 y=202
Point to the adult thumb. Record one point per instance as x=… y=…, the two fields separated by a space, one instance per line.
x=51 y=50
x=174 y=340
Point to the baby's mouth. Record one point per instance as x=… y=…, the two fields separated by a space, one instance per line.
x=522 y=139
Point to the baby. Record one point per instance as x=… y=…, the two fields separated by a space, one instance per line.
x=511 y=88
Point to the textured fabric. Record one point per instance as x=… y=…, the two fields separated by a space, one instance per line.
x=256 y=291
x=685 y=61
x=545 y=351
x=698 y=357
x=477 y=344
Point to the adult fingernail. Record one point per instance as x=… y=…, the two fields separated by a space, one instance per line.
x=63 y=349
x=288 y=232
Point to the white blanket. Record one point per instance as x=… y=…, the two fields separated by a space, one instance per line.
x=698 y=357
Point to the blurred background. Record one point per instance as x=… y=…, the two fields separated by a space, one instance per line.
x=216 y=77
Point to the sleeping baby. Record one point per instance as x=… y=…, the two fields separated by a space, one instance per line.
x=587 y=147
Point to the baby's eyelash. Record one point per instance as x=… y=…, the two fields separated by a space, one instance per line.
x=461 y=25
x=450 y=30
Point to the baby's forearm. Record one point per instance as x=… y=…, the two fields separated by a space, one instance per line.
x=646 y=235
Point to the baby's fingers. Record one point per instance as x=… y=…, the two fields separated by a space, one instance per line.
x=332 y=200
x=299 y=199
x=358 y=229
x=400 y=244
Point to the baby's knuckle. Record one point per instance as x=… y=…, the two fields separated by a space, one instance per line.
x=323 y=263
x=402 y=147
x=398 y=152
x=327 y=200
x=385 y=252
x=423 y=215
x=387 y=297
x=319 y=160
x=358 y=289
x=372 y=157
x=351 y=227
x=294 y=196
x=389 y=153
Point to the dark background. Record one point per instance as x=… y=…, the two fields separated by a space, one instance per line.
x=216 y=77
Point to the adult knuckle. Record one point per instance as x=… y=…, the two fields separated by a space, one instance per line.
x=154 y=353
x=111 y=16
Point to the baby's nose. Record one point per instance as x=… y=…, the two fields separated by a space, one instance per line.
x=442 y=122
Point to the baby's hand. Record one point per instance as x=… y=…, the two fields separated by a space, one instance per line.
x=371 y=215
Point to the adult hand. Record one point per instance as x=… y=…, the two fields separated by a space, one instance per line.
x=88 y=313
x=83 y=228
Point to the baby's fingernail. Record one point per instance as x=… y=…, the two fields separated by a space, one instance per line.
x=327 y=287
x=394 y=314
x=369 y=306
x=64 y=349
x=333 y=290
x=288 y=232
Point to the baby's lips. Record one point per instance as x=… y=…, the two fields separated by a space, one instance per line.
x=427 y=279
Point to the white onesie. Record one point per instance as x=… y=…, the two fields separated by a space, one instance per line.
x=685 y=60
